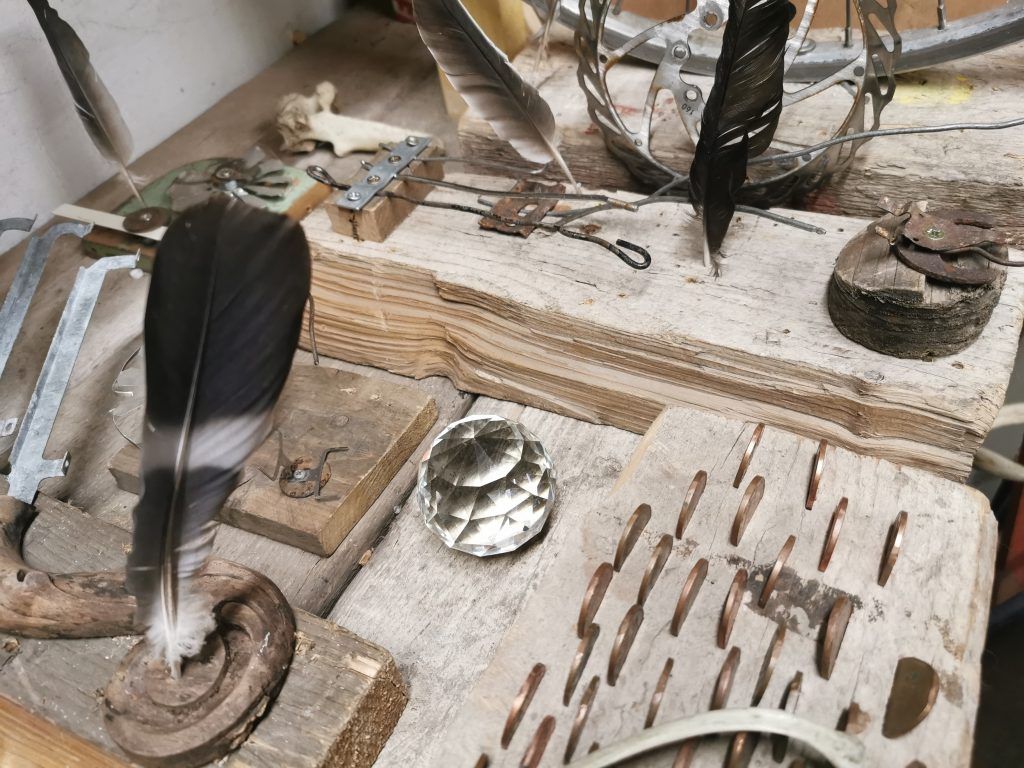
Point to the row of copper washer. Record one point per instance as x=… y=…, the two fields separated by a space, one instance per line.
x=817 y=468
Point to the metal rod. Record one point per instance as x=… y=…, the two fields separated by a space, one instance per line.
x=886 y=132
x=941 y=9
x=848 y=29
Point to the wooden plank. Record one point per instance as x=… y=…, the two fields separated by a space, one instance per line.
x=378 y=422
x=977 y=170
x=560 y=324
x=934 y=606
x=338 y=704
x=29 y=741
x=443 y=612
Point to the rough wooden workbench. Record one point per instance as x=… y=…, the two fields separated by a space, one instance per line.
x=456 y=608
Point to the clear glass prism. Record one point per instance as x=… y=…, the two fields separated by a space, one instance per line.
x=486 y=485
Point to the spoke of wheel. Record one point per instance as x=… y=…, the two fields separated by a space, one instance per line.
x=796 y=42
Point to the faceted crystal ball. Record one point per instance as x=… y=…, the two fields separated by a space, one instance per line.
x=486 y=485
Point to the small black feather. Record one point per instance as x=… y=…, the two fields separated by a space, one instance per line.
x=222 y=323
x=742 y=110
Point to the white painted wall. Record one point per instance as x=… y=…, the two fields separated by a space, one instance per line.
x=164 y=61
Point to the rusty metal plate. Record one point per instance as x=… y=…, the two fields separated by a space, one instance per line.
x=964 y=269
x=526 y=212
x=915 y=686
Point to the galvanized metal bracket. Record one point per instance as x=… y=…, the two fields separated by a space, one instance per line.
x=382 y=173
x=28 y=467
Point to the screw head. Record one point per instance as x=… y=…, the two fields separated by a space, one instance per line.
x=681 y=51
x=412 y=141
x=353 y=195
x=300 y=475
x=373 y=179
x=935 y=233
x=394 y=159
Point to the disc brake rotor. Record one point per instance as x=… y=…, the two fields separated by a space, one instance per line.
x=868 y=75
x=253 y=179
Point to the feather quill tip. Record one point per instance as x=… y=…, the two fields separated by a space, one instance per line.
x=185 y=638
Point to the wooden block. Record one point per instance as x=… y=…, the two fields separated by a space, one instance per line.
x=563 y=325
x=379 y=422
x=934 y=606
x=880 y=302
x=977 y=170
x=29 y=741
x=337 y=707
x=382 y=215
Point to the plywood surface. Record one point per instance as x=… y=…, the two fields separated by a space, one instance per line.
x=562 y=324
x=927 y=609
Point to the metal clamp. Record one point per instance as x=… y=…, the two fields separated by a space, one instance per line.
x=379 y=175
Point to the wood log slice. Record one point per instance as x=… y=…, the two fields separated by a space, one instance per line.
x=877 y=301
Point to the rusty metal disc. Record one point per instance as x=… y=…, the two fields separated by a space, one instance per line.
x=146 y=220
x=968 y=269
x=776 y=572
x=832 y=537
x=634 y=527
x=579 y=661
x=726 y=676
x=582 y=713
x=732 y=607
x=893 y=545
x=659 y=693
x=624 y=641
x=693 y=494
x=748 y=454
x=835 y=631
x=915 y=687
x=539 y=743
x=748 y=504
x=521 y=703
x=654 y=567
x=817 y=470
x=688 y=594
x=593 y=597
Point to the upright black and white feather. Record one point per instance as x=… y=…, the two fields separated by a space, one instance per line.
x=95 y=106
x=741 y=112
x=222 y=323
x=486 y=79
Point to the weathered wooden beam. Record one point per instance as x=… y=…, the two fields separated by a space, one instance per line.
x=977 y=170
x=563 y=325
x=337 y=707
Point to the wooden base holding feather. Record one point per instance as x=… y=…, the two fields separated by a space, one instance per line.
x=211 y=708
